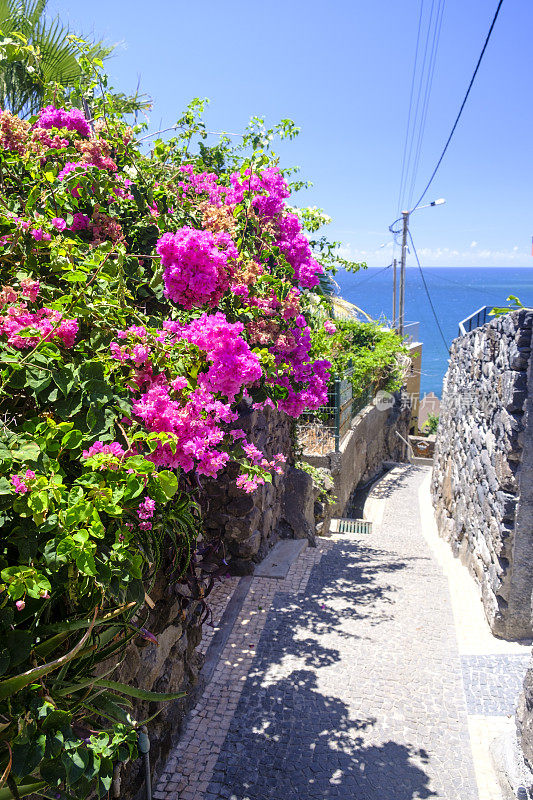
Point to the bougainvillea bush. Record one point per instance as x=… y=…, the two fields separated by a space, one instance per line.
x=145 y=294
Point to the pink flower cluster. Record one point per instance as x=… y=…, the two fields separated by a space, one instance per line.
x=145 y=512
x=39 y=325
x=197 y=268
x=30 y=289
x=20 y=484
x=114 y=450
x=295 y=247
x=202 y=183
x=195 y=427
x=268 y=186
x=329 y=327
x=72 y=120
x=194 y=421
x=233 y=365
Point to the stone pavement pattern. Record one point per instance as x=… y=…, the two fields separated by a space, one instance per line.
x=345 y=680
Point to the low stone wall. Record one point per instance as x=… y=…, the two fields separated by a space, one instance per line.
x=170 y=666
x=283 y=509
x=372 y=440
x=483 y=472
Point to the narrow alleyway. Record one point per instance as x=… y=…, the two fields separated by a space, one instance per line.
x=352 y=678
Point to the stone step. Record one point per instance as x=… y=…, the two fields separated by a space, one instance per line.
x=278 y=562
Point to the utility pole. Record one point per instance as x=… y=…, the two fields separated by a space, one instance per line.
x=394 y=317
x=405 y=215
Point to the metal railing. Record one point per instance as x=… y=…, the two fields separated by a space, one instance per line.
x=475 y=320
x=322 y=431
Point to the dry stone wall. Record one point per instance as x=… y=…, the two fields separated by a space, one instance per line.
x=173 y=665
x=252 y=523
x=483 y=471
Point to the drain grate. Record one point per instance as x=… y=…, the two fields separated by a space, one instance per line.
x=345 y=525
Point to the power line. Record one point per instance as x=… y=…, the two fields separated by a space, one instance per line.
x=463 y=285
x=369 y=277
x=422 y=74
x=428 y=294
x=462 y=106
x=427 y=95
x=410 y=105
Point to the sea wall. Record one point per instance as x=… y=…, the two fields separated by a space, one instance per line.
x=372 y=440
x=483 y=471
x=252 y=523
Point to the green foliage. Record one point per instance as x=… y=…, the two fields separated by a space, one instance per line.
x=367 y=353
x=431 y=424
x=321 y=479
x=515 y=305
x=75 y=562
x=35 y=53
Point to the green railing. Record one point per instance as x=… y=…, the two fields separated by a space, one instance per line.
x=323 y=430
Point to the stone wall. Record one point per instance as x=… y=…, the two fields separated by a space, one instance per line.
x=483 y=472
x=251 y=524
x=372 y=441
x=283 y=509
x=170 y=666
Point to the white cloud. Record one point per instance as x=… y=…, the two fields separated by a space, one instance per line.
x=443 y=256
x=473 y=244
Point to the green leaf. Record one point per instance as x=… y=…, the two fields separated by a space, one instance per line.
x=23 y=790
x=85 y=564
x=65 y=379
x=27 y=755
x=168 y=482
x=72 y=439
x=5 y=486
x=141 y=694
x=75 y=762
x=19 y=645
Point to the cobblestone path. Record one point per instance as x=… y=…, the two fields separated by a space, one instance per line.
x=345 y=680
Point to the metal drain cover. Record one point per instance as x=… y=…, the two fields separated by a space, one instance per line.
x=347 y=525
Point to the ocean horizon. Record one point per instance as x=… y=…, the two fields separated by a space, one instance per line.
x=456 y=292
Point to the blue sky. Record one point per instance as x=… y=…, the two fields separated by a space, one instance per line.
x=342 y=71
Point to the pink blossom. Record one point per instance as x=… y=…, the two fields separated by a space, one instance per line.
x=80 y=222
x=20 y=605
x=72 y=120
x=30 y=289
x=329 y=327
x=196 y=266
x=146 y=508
x=114 y=449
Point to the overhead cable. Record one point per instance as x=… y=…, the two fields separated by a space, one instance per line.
x=428 y=294
x=439 y=162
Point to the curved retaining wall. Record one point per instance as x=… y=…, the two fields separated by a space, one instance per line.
x=483 y=471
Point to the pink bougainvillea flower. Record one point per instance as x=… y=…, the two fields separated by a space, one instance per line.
x=72 y=120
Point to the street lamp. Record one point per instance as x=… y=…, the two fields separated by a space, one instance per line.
x=405 y=229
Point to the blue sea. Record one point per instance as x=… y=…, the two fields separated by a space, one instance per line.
x=456 y=293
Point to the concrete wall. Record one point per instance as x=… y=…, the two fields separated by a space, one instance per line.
x=372 y=440
x=483 y=473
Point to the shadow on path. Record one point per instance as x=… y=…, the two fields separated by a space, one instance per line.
x=292 y=737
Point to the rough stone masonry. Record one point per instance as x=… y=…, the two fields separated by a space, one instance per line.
x=483 y=474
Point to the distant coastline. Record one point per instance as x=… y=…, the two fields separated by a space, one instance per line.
x=456 y=292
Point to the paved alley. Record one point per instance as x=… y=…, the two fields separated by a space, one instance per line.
x=350 y=678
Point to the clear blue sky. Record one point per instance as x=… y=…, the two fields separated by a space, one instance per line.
x=342 y=71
